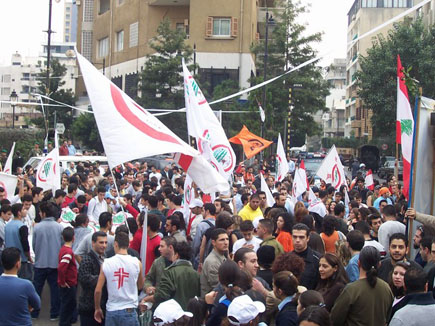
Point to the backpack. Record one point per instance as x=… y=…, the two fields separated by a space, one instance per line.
x=207 y=234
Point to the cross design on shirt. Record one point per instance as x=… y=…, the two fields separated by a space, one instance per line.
x=121 y=274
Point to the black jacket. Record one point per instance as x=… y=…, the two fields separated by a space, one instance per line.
x=89 y=271
x=287 y=316
x=310 y=275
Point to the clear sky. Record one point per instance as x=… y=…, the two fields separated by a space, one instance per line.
x=22 y=23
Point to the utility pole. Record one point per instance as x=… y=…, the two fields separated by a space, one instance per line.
x=265 y=75
x=47 y=90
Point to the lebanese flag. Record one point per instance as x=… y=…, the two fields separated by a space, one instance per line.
x=281 y=161
x=368 y=182
x=8 y=165
x=404 y=126
x=130 y=132
x=203 y=124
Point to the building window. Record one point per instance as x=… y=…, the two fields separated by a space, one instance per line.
x=221 y=26
x=87 y=44
x=120 y=2
x=66 y=38
x=88 y=10
x=67 y=16
x=120 y=41
x=68 y=9
x=369 y=3
x=67 y=24
x=103 y=47
x=6 y=91
x=67 y=31
x=134 y=34
x=6 y=78
x=104 y=6
x=400 y=3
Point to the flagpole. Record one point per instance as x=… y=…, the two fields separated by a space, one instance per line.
x=117 y=196
x=410 y=223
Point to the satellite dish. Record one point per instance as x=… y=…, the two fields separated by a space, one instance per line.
x=70 y=53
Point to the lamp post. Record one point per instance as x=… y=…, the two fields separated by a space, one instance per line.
x=14 y=99
x=271 y=22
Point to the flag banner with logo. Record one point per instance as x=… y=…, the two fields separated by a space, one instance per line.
x=404 y=126
x=368 y=182
x=300 y=182
x=252 y=144
x=203 y=124
x=264 y=187
x=281 y=161
x=9 y=183
x=130 y=132
x=48 y=171
x=67 y=215
x=331 y=170
x=8 y=165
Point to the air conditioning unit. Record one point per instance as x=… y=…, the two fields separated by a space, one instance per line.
x=353 y=17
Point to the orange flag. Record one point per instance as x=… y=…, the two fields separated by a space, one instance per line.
x=252 y=144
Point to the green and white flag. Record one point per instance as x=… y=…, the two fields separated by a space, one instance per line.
x=48 y=171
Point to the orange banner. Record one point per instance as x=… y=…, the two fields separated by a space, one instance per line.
x=252 y=144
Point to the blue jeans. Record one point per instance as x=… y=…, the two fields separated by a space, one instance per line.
x=122 y=317
x=50 y=275
x=67 y=305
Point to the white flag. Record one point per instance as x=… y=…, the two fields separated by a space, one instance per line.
x=144 y=243
x=9 y=183
x=331 y=170
x=281 y=161
x=264 y=187
x=368 y=182
x=8 y=165
x=300 y=183
x=48 y=171
x=203 y=124
x=129 y=132
x=189 y=196
x=315 y=205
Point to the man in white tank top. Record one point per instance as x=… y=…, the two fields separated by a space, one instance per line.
x=123 y=274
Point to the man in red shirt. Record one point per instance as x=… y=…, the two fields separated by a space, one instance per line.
x=70 y=196
x=63 y=150
x=153 y=238
x=67 y=278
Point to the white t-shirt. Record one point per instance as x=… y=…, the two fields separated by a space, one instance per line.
x=121 y=272
x=241 y=242
x=377 y=245
x=387 y=229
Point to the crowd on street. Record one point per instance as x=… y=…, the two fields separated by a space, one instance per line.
x=222 y=259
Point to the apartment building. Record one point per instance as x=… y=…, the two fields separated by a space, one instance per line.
x=333 y=121
x=114 y=36
x=70 y=21
x=363 y=16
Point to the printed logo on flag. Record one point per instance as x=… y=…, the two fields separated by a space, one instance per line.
x=2 y=184
x=119 y=218
x=336 y=176
x=45 y=169
x=221 y=153
x=188 y=194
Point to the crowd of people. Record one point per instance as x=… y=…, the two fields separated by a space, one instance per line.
x=222 y=259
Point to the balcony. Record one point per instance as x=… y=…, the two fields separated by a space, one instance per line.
x=169 y=3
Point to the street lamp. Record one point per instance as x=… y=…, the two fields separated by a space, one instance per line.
x=14 y=100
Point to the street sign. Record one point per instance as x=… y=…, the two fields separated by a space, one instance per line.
x=60 y=128
x=384 y=147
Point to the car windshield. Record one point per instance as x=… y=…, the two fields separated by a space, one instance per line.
x=312 y=166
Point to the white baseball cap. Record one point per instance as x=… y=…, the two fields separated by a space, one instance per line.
x=242 y=310
x=168 y=312
x=196 y=203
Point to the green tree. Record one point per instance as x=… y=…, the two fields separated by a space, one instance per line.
x=85 y=129
x=288 y=46
x=377 y=80
x=161 y=81
x=56 y=92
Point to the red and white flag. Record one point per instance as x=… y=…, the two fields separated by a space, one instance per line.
x=368 y=182
x=300 y=182
x=331 y=170
x=9 y=183
x=404 y=126
x=315 y=205
x=48 y=171
x=281 y=161
x=8 y=165
x=130 y=132
x=203 y=124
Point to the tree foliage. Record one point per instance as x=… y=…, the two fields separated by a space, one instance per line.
x=161 y=80
x=85 y=129
x=377 y=80
x=288 y=46
x=56 y=92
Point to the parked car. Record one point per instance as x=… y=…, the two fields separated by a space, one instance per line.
x=311 y=166
x=388 y=169
x=159 y=161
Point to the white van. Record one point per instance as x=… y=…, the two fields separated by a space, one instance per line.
x=65 y=161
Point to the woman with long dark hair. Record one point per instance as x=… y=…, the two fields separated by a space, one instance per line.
x=284 y=224
x=333 y=279
x=397 y=280
x=329 y=235
x=315 y=316
x=366 y=301
x=285 y=286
